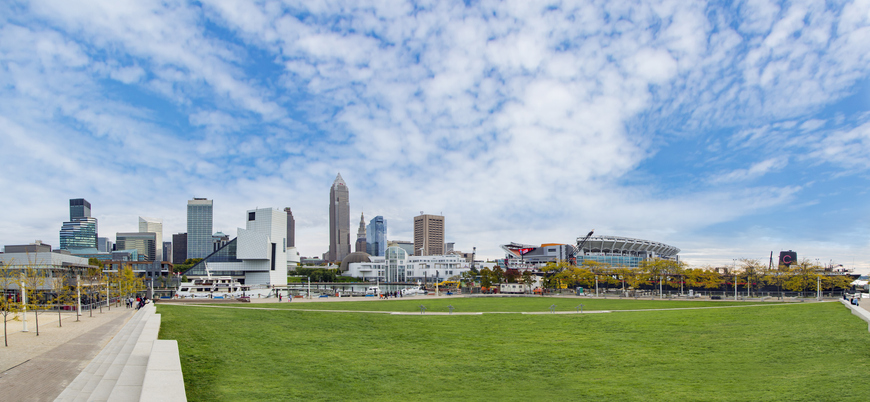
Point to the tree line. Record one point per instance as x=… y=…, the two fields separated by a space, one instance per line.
x=749 y=275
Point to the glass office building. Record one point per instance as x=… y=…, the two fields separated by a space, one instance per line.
x=199 y=227
x=81 y=229
x=79 y=233
x=376 y=236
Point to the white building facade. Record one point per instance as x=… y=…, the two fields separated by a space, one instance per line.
x=398 y=266
x=260 y=250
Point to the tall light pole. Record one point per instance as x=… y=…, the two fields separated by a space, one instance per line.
x=734 y=268
x=23 y=301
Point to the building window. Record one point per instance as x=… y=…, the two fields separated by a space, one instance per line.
x=252 y=216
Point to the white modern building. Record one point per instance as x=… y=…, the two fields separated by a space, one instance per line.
x=398 y=266
x=257 y=256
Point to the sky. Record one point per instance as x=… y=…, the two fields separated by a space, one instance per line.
x=727 y=129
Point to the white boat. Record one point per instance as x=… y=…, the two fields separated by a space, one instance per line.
x=214 y=287
x=373 y=290
x=414 y=291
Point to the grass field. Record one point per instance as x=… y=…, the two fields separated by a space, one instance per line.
x=496 y=304
x=788 y=352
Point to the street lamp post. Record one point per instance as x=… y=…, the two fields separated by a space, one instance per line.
x=24 y=301
x=734 y=268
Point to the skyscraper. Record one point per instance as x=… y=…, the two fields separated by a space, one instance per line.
x=291 y=228
x=179 y=248
x=339 y=220
x=428 y=235
x=376 y=236
x=199 y=227
x=152 y=225
x=81 y=229
x=361 y=235
x=167 y=251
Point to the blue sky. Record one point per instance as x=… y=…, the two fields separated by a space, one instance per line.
x=727 y=129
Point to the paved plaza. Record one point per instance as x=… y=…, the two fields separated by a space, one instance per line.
x=38 y=368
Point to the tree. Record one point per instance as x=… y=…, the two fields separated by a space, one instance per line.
x=528 y=280
x=778 y=277
x=33 y=278
x=833 y=282
x=551 y=271
x=63 y=294
x=603 y=272
x=754 y=273
x=486 y=277
x=187 y=264
x=498 y=274
x=93 y=274
x=804 y=276
x=468 y=278
x=8 y=304
x=512 y=275
x=573 y=276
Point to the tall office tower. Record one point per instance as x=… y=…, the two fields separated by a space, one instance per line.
x=143 y=242
x=167 y=251
x=199 y=227
x=428 y=235
x=376 y=236
x=361 y=235
x=152 y=225
x=291 y=228
x=79 y=208
x=179 y=248
x=81 y=229
x=339 y=220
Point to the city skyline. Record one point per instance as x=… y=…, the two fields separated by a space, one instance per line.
x=729 y=130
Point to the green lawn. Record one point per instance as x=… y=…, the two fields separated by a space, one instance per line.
x=788 y=352
x=495 y=304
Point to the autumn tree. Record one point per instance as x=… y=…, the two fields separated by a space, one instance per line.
x=34 y=278
x=9 y=279
x=603 y=273
x=804 y=276
x=778 y=277
x=706 y=278
x=63 y=294
x=754 y=272
x=573 y=276
x=550 y=271
x=833 y=282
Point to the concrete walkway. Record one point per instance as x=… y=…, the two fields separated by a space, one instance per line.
x=38 y=368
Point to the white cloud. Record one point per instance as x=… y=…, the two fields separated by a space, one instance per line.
x=494 y=113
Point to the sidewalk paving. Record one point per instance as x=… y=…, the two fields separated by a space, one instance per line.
x=38 y=368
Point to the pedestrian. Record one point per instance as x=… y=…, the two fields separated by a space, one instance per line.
x=279 y=298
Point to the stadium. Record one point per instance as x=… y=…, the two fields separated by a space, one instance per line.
x=615 y=251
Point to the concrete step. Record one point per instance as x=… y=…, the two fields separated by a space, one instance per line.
x=75 y=387
x=110 y=377
x=164 y=381
x=82 y=386
x=129 y=384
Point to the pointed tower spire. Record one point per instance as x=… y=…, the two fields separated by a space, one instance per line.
x=361 y=234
